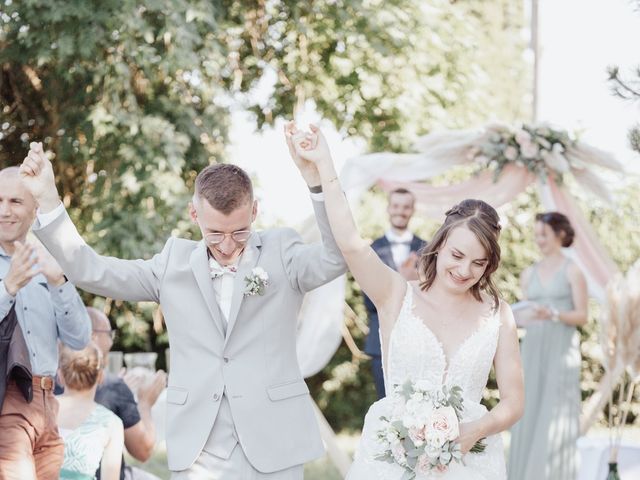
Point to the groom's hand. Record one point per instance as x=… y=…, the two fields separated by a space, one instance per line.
x=308 y=169
x=36 y=173
x=312 y=147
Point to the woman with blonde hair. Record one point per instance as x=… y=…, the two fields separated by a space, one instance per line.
x=93 y=435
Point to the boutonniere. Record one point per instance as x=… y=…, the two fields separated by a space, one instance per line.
x=256 y=282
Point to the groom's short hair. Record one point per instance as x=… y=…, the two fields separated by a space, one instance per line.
x=226 y=187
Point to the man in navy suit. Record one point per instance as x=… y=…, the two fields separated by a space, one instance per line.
x=398 y=248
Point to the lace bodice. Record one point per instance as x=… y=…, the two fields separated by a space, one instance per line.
x=416 y=353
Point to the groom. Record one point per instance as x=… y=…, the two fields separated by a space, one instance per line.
x=237 y=404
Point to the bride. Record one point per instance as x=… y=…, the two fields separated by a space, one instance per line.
x=447 y=329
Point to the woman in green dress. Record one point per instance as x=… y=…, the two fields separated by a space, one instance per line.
x=543 y=442
x=93 y=435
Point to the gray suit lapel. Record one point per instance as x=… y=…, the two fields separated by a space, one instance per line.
x=239 y=284
x=199 y=262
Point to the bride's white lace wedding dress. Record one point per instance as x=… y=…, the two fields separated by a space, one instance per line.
x=415 y=353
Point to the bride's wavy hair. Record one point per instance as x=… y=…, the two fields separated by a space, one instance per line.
x=483 y=220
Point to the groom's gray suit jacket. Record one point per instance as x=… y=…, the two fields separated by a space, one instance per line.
x=254 y=362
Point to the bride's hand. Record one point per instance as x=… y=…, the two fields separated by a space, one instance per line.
x=308 y=169
x=311 y=146
x=469 y=436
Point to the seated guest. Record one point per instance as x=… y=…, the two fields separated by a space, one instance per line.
x=93 y=435
x=115 y=394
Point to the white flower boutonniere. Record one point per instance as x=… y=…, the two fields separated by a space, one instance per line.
x=256 y=282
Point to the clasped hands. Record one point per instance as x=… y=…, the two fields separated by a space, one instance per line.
x=309 y=151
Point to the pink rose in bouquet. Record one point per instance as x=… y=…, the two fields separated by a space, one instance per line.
x=421 y=434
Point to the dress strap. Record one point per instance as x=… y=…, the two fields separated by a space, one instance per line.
x=407 y=302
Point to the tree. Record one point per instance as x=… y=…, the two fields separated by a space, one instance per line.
x=628 y=89
x=133 y=98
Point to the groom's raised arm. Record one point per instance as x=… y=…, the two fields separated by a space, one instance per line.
x=311 y=265
x=133 y=280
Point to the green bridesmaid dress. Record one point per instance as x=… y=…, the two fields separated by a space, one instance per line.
x=543 y=442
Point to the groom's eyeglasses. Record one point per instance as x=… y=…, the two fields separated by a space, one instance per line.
x=241 y=236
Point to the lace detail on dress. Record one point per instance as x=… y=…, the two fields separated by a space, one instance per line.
x=415 y=353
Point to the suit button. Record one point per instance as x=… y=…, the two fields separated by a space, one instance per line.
x=226 y=360
x=216 y=397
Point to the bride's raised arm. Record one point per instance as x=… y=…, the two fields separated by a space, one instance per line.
x=382 y=284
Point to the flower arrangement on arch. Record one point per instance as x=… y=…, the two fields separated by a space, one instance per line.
x=421 y=435
x=539 y=148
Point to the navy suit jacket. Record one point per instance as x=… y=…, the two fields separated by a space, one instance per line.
x=383 y=248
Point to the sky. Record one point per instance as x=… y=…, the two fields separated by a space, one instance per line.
x=578 y=40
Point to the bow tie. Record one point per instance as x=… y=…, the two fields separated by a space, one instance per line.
x=218 y=270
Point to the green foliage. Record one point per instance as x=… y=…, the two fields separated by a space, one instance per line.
x=133 y=98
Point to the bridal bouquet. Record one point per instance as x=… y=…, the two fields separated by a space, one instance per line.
x=420 y=436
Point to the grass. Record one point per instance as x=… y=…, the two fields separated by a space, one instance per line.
x=322 y=469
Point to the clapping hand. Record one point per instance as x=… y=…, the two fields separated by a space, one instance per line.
x=49 y=267
x=36 y=173
x=146 y=386
x=22 y=269
x=409 y=269
x=149 y=392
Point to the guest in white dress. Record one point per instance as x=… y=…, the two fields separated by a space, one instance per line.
x=449 y=328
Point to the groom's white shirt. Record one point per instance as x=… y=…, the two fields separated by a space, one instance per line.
x=250 y=358
x=223 y=284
